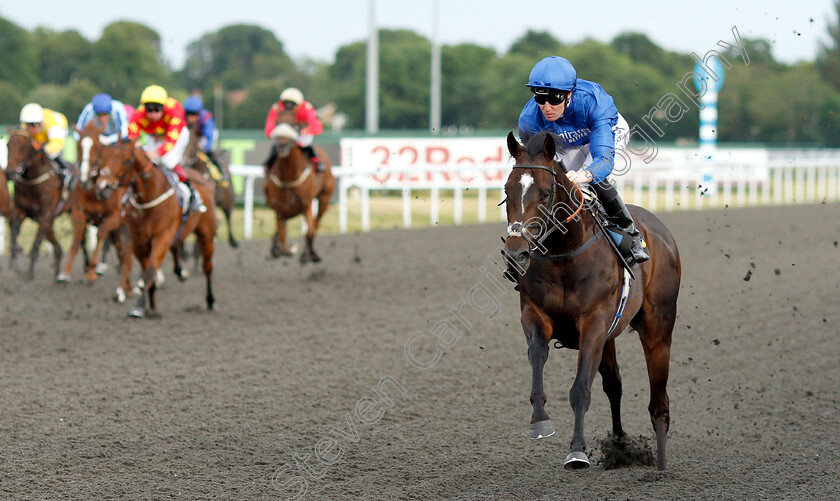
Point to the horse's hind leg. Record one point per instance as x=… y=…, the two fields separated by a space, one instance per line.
x=655 y=334
x=612 y=385
x=205 y=243
x=226 y=203
x=538 y=329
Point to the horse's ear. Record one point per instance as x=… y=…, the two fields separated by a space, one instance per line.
x=76 y=129
x=512 y=144
x=549 y=148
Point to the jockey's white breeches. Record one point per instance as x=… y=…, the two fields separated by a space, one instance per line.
x=174 y=156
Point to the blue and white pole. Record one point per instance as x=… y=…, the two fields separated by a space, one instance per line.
x=709 y=109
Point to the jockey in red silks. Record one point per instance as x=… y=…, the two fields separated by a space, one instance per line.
x=162 y=118
x=307 y=119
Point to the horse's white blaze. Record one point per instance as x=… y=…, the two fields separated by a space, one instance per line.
x=84 y=165
x=526 y=180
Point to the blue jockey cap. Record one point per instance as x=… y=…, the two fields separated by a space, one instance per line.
x=101 y=103
x=553 y=72
x=193 y=104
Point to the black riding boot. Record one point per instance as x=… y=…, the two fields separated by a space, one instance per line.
x=66 y=176
x=196 y=205
x=617 y=212
x=309 y=151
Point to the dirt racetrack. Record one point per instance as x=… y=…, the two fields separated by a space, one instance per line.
x=261 y=399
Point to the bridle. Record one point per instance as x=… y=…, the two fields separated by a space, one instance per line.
x=28 y=162
x=515 y=229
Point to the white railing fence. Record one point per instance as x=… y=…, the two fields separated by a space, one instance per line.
x=790 y=176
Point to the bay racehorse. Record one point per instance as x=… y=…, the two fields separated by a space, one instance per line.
x=154 y=219
x=88 y=206
x=572 y=288
x=196 y=159
x=37 y=195
x=291 y=183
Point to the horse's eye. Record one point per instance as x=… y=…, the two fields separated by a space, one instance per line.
x=545 y=195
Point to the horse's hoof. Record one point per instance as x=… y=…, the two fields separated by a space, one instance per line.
x=183 y=275
x=159 y=278
x=119 y=295
x=576 y=460
x=136 y=312
x=315 y=258
x=62 y=278
x=234 y=244
x=276 y=252
x=542 y=429
x=100 y=268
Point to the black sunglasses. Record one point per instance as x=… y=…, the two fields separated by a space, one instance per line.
x=152 y=108
x=552 y=98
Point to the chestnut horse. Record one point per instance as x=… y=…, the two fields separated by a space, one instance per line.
x=291 y=184
x=572 y=287
x=194 y=158
x=37 y=196
x=154 y=219
x=87 y=206
x=5 y=201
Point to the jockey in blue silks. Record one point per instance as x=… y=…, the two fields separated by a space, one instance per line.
x=110 y=112
x=591 y=130
x=194 y=112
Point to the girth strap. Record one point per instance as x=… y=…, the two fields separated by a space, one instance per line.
x=595 y=236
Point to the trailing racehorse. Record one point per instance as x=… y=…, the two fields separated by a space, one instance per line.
x=37 y=196
x=216 y=170
x=101 y=208
x=154 y=218
x=574 y=289
x=292 y=182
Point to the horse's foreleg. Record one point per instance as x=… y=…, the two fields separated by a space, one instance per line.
x=103 y=232
x=126 y=257
x=538 y=330
x=592 y=337
x=311 y=227
x=612 y=385
x=278 y=247
x=655 y=335
x=79 y=225
x=49 y=233
x=15 y=222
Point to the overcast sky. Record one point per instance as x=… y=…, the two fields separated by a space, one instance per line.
x=317 y=28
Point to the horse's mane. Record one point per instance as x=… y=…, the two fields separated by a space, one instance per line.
x=534 y=145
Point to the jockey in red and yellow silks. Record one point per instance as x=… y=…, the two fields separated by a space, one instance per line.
x=306 y=118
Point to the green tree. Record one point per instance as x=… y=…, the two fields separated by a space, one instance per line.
x=828 y=60
x=63 y=55
x=640 y=49
x=235 y=56
x=536 y=44
x=11 y=101
x=464 y=79
x=126 y=59
x=20 y=56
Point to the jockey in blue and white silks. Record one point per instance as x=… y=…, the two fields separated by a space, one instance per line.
x=590 y=130
x=103 y=109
